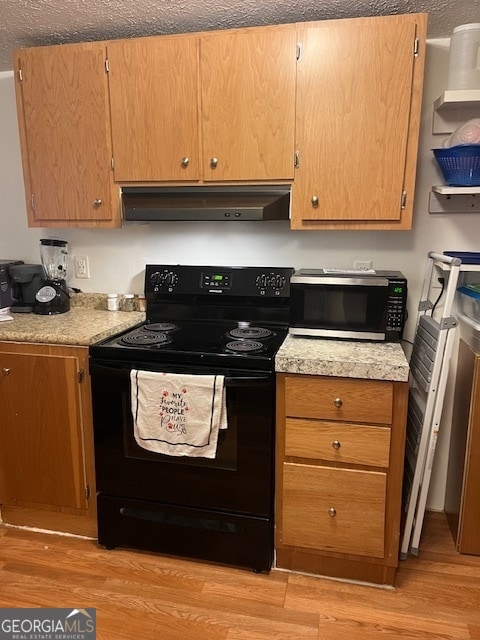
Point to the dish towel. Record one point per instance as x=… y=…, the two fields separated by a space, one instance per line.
x=178 y=415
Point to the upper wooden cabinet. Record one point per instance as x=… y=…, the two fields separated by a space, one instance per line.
x=248 y=103
x=229 y=93
x=331 y=107
x=359 y=89
x=63 y=111
x=154 y=108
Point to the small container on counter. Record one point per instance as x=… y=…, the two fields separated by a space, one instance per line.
x=128 y=302
x=113 y=302
x=141 y=303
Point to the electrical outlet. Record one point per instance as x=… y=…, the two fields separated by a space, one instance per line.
x=82 y=269
x=363 y=265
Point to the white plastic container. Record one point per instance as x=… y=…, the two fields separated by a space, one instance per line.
x=113 y=302
x=464 y=60
x=469 y=302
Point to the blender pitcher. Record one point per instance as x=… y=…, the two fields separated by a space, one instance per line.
x=53 y=296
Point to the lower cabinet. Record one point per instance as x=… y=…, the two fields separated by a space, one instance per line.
x=340 y=450
x=46 y=438
x=462 y=506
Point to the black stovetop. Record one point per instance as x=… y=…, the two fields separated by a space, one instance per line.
x=191 y=311
x=198 y=343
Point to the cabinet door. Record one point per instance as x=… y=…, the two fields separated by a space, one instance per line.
x=358 y=105
x=154 y=105
x=41 y=448
x=248 y=103
x=63 y=108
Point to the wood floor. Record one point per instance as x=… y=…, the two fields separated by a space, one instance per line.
x=145 y=596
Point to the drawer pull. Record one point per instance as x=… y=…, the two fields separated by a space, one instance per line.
x=332 y=512
x=338 y=402
x=336 y=444
x=5 y=371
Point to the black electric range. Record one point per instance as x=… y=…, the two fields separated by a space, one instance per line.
x=208 y=316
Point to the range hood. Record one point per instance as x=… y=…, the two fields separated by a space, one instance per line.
x=206 y=203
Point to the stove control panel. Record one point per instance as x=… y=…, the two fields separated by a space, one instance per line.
x=273 y=281
x=267 y=282
x=216 y=279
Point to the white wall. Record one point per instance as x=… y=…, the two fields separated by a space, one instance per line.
x=117 y=257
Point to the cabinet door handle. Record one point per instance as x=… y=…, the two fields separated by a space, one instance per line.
x=338 y=402
x=332 y=512
x=97 y=202
x=5 y=371
x=185 y=161
x=314 y=201
x=213 y=162
x=336 y=444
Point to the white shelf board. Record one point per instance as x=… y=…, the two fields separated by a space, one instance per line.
x=453 y=108
x=459 y=99
x=445 y=190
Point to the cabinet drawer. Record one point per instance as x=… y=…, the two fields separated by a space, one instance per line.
x=349 y=443
x=345 y=399
x=338 y=510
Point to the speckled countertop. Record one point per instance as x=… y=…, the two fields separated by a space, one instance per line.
x=317 y=356
x=87 y=322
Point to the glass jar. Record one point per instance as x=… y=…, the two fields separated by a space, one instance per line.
x=128 y=302
x=141 y=303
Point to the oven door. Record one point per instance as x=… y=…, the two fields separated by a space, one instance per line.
x=351 y=308
x=240 y=478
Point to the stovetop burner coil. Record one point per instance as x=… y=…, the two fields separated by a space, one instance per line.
x=144 y=339
x=160 y=326
x=251 y=333
x=244 y=346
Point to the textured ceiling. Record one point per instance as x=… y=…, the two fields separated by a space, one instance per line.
x=25 y=23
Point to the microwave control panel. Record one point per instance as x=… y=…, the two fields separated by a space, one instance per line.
x=397 y=304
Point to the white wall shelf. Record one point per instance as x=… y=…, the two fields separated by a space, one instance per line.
x=445 y=190
x=453 y=108
x=454 y=199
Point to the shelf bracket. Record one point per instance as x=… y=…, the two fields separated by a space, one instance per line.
x=453 y=203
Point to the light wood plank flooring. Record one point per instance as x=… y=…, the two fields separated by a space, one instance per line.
x=147 y=596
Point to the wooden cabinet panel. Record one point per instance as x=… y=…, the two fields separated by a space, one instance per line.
x=248 y=103
x=337 y=510
x=63 y=110
x=344 y=399
x=337 y=442
x=154 y=97
x=46 y=437
x=358 y=104
x=347 y=458
x=462 y=505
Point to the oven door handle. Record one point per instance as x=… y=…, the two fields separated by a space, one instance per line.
x=230 y=381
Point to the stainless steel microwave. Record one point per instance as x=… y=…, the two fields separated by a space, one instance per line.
x=337 y=303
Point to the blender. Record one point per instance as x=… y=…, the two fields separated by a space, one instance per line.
x=52 y=297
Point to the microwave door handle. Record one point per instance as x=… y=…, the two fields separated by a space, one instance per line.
x=373 y=281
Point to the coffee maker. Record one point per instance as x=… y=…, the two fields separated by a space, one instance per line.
x=27 y=280
x=52 y=297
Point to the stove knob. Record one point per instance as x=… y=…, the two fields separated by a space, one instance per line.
x=156 y=278
x=277 y=281
x=170 y=279
x=262 y=281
